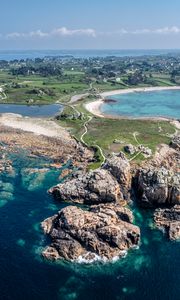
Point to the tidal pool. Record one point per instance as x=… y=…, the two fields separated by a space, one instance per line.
x=164 y=103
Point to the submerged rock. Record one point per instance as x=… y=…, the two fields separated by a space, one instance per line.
x=33 y=178
x=103 y=232
x=169 y=219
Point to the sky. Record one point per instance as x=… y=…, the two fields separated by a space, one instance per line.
x=89 y=24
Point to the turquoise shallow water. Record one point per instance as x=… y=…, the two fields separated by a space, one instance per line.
x=145 y=104
x=150 y=272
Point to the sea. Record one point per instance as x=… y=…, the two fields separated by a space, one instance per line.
x=32 y=54
x=164 y=103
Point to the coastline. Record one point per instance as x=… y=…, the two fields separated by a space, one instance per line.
x=37 y=126
x=94 y=106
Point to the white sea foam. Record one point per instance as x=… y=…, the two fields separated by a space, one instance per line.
x=90 y=258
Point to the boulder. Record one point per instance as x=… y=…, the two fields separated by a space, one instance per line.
x=130 y=149
x=103 y=232
x=175 y=143
x=169 y=220
x=147 y=152
x=120 y=168
x=157 y=186
x=89 y=188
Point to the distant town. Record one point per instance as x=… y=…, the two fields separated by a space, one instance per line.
x=45 y=80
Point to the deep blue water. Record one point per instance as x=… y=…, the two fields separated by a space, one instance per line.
x=24 y=54
x=145 y=104
x=31 y=110
x=149 y=273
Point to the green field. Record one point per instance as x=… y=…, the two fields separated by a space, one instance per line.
x=104 y=132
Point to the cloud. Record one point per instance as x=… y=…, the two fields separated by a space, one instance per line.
x=17 y=35
x=63 y=31
x=57 y=32
x=89 y=32
x=164 y=30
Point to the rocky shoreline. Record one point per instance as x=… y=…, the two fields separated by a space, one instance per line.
x=104 y=229
x=35 y=136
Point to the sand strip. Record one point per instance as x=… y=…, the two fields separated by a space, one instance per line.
x=37 y=126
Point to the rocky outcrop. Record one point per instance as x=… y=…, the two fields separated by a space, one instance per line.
x=42 y=138
x=120 y=168
x=158 y=186
x=107 y=184
x=130 y=149
x=169 y=220
x=103 y=232
x=90 y=188
x=175 y=143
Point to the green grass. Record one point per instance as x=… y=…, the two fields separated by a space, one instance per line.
x=62 y=90
x=148 y=133
x=74 y=73
x=103 y=132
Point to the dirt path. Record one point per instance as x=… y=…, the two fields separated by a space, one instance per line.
x=82 y=139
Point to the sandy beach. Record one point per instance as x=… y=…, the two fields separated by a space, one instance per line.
x=94 y=107
x=36 y=126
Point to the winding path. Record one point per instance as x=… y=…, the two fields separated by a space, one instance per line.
x=3 y=95
x=82 y=139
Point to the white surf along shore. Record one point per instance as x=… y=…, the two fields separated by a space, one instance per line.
x=94 y=107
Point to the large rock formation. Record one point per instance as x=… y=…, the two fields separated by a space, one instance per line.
x=169 y=220
x=107 y=184
x=120 y=168
x=90 y=188
x=103 y=232
x=157 y=186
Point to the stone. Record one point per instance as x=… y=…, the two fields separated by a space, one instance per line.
x=104 y=232
x=120 y=168
x=65 y=173
x=157 y=186
x=169 y=220
x=89 y=188
x=147 y=152
x=130 y=149
x=116 y=141
x=175 y=143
